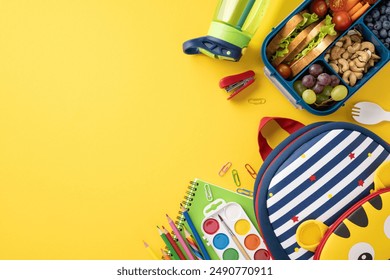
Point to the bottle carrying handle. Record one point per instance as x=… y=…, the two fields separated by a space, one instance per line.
x=213 y=47
x=289 y=125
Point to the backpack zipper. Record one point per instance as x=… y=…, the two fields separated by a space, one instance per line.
x=343 y=217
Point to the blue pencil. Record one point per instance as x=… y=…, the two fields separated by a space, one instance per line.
x=196 y=234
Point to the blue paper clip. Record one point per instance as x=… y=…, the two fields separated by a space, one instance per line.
x=245 y=192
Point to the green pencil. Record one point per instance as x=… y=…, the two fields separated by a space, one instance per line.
x=175 y=256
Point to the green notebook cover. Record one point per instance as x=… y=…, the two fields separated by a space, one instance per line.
x=195 y=201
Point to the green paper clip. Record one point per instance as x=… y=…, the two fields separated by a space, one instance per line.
x=236 y=178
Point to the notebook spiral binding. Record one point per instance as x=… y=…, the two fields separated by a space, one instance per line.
x=188 y=198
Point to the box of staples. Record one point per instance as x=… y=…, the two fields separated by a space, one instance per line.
x=325 y=51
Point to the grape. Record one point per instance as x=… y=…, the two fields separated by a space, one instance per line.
x=335 y=80
x=299 y=87
x=318 y=88
x=324 y=79
x=327 y=91
x=315 y=70
x=309 y=96
x=308 y=81
x=321 y=98
x=339 y=92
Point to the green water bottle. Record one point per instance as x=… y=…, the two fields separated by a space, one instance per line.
x=233 y=26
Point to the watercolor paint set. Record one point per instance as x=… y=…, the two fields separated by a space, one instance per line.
x=230 y=232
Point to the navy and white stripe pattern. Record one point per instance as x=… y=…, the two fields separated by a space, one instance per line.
x=321 y=180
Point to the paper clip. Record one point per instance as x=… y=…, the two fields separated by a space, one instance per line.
x=245 y=192
x=257 y=101
x=209 y=194
x=250 y=170
x=224 y=169
x=236 y=83
x=236 y=178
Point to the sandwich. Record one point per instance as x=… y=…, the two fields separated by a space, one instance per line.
x=304 y=37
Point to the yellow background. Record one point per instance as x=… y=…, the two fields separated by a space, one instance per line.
x=104 y=120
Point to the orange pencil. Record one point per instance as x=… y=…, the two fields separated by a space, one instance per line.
x=165 y=255
x=174 y=245
x=180 y=238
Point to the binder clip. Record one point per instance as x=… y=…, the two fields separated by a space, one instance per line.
x=234 y=84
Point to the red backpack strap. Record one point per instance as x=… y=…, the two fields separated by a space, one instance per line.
x=289 y=125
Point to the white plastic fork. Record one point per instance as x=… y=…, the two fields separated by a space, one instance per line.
x=369 y=113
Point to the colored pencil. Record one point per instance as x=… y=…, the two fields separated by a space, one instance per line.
x=194 y=248
x=174 y=245
x=151 y=252
x=196 y=234
x=175 y=256
x=165 y=255
x=235 y=239
x=180 y=238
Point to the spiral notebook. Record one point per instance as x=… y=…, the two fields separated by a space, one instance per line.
x=200 y=194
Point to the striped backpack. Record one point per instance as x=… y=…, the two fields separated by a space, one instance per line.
x=310 y=182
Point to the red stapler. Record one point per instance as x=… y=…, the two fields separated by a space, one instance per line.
x=236 y=83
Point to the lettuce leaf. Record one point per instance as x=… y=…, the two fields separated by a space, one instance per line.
x=327 y=29
x=283 y=45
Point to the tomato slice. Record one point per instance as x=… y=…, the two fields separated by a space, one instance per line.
x=337 y=5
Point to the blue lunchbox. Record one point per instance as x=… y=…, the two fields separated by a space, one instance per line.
x=352 y=72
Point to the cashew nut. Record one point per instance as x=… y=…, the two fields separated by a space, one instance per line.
x=346 y=55
x=367 y=46
x=370 y=64
x=344 y=64
x=335 y=67
x=326 y=57
x=354 y=48
x=354 y=32
x=356 y=38
x=336 y=52
x=350 y=78
x=375 y=56
x=359 y=63
x=355 y=67
x=366 y=68
x=347 y=41
x=358 y=75
x=363 y=56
